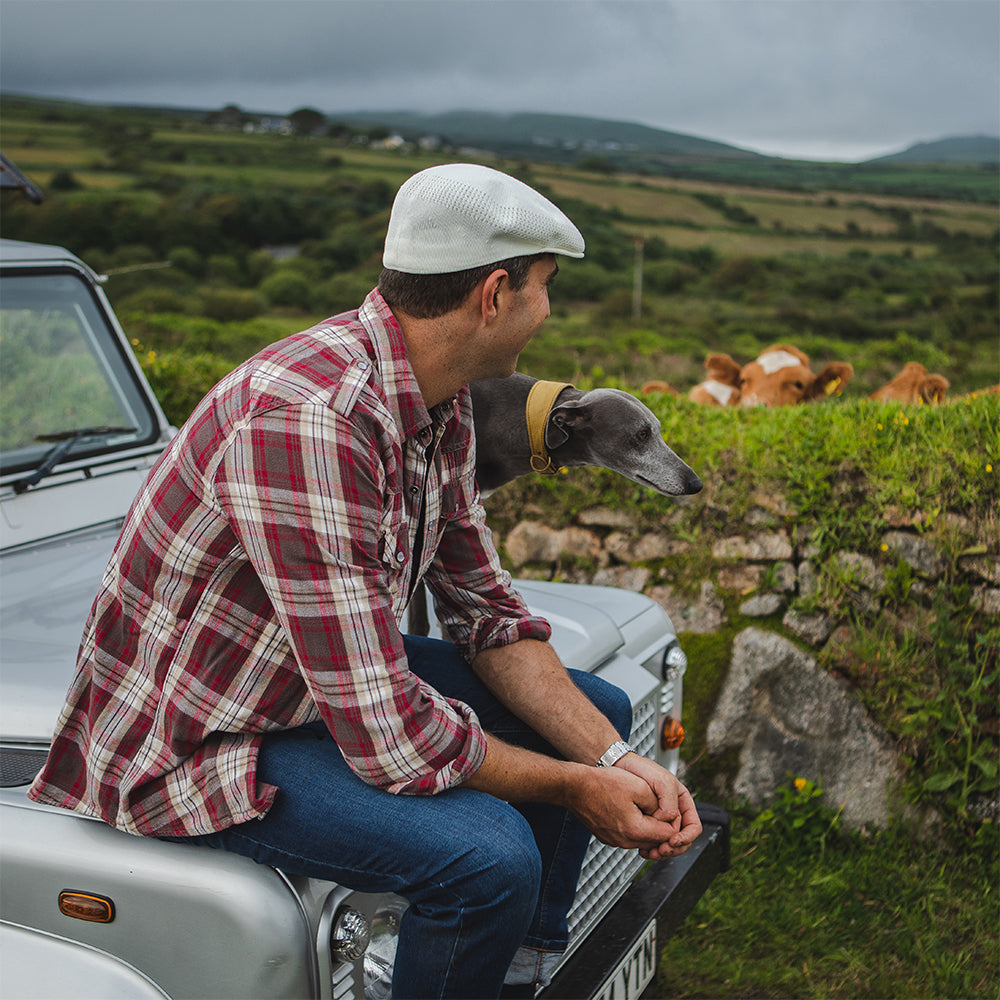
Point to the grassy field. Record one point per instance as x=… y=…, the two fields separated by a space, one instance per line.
x=873 y=278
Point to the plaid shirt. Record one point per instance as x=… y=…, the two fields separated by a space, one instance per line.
x=259 y=581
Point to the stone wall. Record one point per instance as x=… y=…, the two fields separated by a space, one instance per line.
x=778 y=712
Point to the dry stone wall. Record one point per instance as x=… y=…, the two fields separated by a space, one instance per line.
x=778 y=711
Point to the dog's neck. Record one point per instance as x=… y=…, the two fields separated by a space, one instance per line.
x=503 y=449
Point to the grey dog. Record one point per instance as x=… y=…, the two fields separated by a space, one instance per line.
x=603 y=427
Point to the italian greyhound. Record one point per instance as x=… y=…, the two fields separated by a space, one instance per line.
x=603 y=427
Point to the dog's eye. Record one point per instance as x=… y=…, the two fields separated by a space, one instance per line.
x=643 y=435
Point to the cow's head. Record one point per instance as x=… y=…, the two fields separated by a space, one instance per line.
x=914 y=384
x=781 y=376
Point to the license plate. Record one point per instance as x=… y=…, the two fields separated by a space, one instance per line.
x=635 y=971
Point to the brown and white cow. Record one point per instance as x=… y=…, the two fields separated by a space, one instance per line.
x=781 y=376
x=722 y=387
x=914 y=384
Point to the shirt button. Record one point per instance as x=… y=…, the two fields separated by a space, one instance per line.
x=400 y=556
x=363 y=365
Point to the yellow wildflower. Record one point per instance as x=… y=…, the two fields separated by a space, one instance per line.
x=800 y=784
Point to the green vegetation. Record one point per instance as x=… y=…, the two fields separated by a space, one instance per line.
x=810 y=911
x=217 y=242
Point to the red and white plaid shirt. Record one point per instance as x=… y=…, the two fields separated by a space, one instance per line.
x=259 y=582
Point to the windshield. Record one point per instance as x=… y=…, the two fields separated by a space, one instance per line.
x=62 y=371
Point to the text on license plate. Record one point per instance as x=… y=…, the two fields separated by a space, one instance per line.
x=634 y=971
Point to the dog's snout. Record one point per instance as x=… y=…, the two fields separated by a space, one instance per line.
x=692 y=483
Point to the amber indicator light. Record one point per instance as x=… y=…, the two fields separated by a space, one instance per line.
x=672 y=735
x=85 y=906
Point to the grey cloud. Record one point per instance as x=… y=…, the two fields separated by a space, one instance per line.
x=783 y=74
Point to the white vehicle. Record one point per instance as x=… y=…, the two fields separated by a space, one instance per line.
x=91 y=912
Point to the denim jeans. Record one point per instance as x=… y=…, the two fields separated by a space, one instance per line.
x=482 y=877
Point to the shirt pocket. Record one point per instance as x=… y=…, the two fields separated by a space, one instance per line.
x=452 y=472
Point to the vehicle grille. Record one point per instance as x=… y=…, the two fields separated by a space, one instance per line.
x=344 y=985
x=607 y=871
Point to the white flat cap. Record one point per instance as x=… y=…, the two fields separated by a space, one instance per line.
x=462 y=215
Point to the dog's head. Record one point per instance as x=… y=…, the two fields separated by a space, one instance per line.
x=614 y=430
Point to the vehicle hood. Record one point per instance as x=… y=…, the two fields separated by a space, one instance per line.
x=46 y=591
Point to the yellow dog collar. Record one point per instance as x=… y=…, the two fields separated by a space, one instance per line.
x=541 y=399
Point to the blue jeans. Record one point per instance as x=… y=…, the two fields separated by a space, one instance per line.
x=482 y=877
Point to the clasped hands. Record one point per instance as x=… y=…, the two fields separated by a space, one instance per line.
x=639 y=804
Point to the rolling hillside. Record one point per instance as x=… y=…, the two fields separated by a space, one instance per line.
x=555 y=136
x=969 y=149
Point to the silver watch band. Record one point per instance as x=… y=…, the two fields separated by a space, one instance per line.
x=614 y=753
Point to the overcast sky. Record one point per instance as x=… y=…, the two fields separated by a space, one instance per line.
x=824 y=79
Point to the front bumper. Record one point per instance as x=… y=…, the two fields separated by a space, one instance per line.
x=666 y=890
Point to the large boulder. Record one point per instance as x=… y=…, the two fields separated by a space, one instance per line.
x=785 y=715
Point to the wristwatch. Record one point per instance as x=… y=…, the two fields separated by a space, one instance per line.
x=614 y=753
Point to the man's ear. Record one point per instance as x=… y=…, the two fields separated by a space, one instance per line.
x=489 y=304
x=563 y=418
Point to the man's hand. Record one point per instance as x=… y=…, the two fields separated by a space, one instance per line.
x=675 y=806
x=622 y=809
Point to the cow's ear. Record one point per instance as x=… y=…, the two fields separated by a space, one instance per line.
x=830 y=381
x=722 y=368
x=934 y=388
x=563 y=418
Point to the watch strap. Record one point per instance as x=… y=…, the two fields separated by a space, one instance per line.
x=614 y=753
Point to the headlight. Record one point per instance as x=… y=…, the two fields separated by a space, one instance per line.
x=381 y=953
x=349 y=935
x=674 y=660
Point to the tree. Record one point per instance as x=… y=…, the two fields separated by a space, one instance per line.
x=306 y=121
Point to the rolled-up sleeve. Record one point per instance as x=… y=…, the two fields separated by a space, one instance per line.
x=475 y=600
x=308 y=493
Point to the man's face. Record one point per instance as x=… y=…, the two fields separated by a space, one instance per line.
x=527 y=309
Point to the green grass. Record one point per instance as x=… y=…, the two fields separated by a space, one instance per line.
x=892 y=915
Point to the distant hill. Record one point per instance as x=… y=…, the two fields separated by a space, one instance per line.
x=550 y=136
x=962 y=168
x=968 y=149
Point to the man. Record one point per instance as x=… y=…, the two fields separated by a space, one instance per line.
x=243 y=682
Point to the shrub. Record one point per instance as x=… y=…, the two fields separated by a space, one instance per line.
x=585 y=281
x=736 y=272
x=63 y=180
x=668 y=276
x=156 y=300
x=187 y=260
x=230 y=304
x=225 y=269
x=180 y=380
x=287 y=288
x=342 y=292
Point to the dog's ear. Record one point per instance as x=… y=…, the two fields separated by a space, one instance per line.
x=563 y=418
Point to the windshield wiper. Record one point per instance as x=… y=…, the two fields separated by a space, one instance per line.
x=64 y=441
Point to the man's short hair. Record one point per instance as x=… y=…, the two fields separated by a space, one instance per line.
x=427 y=296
